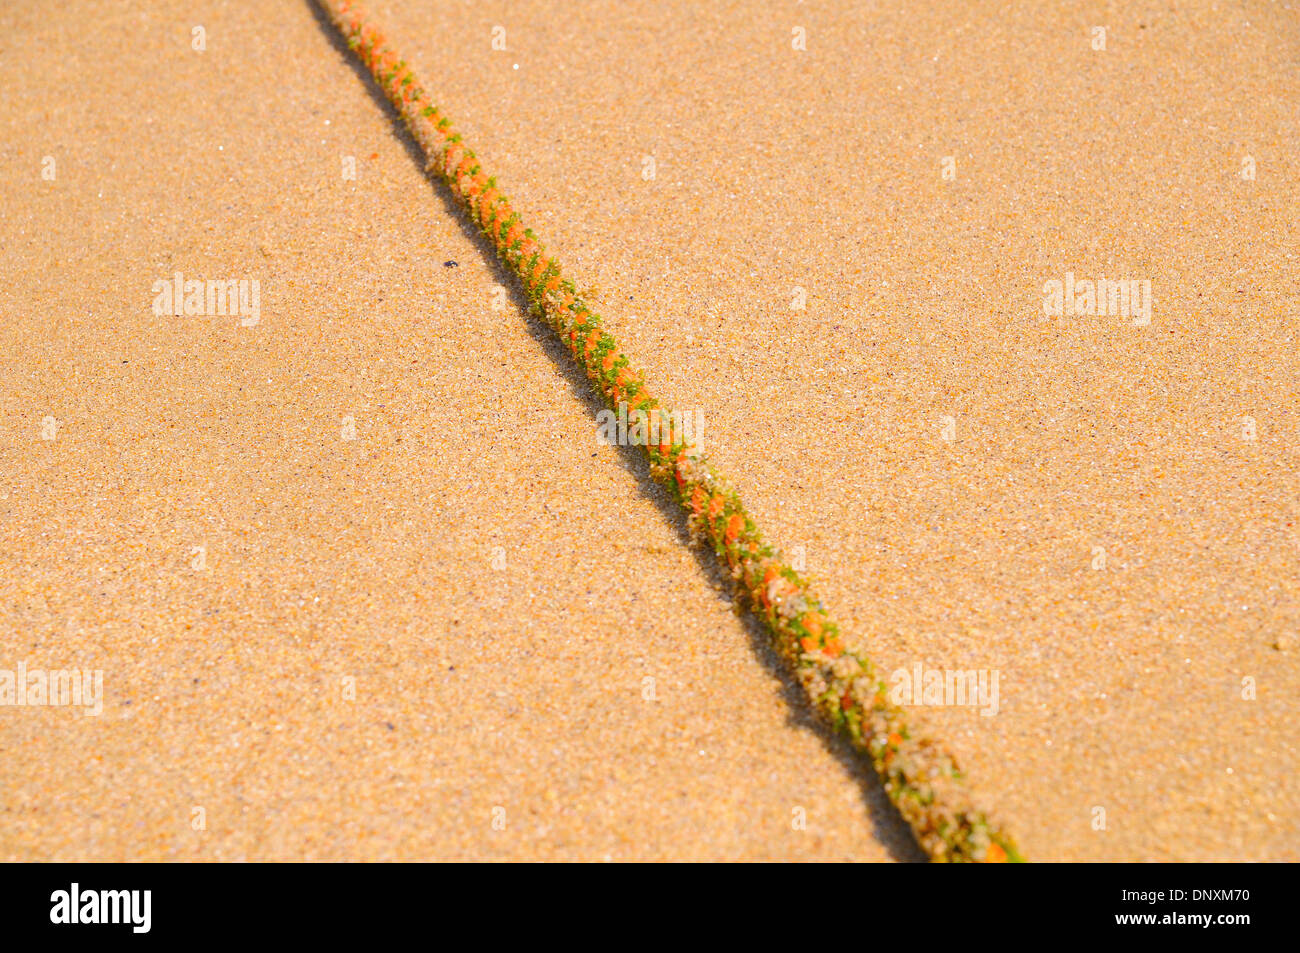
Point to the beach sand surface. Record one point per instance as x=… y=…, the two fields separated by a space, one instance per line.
x=472 y=632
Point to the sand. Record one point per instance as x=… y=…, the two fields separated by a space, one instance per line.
x=494 y=586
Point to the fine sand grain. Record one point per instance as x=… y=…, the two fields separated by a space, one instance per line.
x=495 y=586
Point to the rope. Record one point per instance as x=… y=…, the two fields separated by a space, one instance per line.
x=920 y=778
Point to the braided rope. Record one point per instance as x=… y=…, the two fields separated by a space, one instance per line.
x=920 y=778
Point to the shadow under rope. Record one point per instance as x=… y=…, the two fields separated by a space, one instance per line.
x=888 y=825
